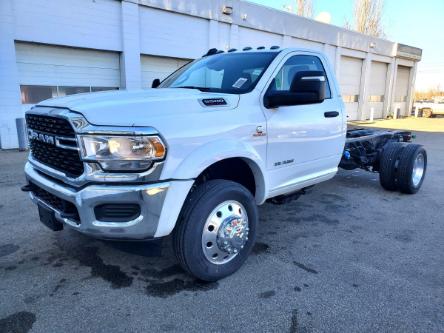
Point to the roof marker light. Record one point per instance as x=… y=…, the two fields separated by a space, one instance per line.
x=210 y=52
x=248 y=48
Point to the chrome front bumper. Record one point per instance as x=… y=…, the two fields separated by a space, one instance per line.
x=150 y=198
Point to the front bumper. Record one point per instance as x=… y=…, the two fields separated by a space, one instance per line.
x=149 y=197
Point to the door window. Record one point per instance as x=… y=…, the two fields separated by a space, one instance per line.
x=292 y=66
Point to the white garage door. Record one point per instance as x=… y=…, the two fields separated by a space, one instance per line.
x=401 y=89
x=158 y=68
x=349 y=81
x=52 y=71
x=378 y=78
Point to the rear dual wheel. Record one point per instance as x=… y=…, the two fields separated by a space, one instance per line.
x=403 y=167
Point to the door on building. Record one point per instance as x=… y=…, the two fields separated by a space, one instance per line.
x=401 y=90
x=350 y=81
x=376 y=90
x=55 y=71
x=159 y=68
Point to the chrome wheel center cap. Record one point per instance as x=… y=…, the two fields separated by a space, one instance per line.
x=225 y=232
x=232 y=235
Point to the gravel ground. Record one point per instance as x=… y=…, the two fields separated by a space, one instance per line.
x=347 y=257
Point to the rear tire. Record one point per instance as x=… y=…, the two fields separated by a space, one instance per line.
x=211 y=228
x=412 y=168
x=389 y=164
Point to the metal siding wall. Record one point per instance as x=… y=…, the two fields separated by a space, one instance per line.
x=81 y=23
x=306 y=44
x=255 y=38
x=53 y=65
x=169 y=34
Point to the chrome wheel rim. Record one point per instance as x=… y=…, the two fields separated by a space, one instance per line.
x=225 y=232
x=418 y=169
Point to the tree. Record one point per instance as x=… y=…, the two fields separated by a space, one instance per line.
x=301 y=8
x=367 y=18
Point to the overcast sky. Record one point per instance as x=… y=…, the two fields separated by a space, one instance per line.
x=411 y=22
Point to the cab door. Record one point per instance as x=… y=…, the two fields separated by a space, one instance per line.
x=305 y=142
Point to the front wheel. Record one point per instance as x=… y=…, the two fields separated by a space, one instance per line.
x=216 y=230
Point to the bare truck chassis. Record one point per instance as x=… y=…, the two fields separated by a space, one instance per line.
x=400 y=163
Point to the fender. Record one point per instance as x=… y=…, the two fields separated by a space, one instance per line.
x=215 y=151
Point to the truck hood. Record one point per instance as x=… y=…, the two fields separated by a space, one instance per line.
x=140 y=107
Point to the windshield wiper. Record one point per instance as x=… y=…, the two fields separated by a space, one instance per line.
x=193 y=87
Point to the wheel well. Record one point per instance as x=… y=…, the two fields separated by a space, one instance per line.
x=234 y=169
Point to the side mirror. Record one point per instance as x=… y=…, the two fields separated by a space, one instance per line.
x=307 y=87
x=156 y=83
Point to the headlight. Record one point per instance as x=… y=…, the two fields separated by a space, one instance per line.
x=122 y=153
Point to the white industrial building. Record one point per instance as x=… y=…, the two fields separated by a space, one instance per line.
x=52 y=48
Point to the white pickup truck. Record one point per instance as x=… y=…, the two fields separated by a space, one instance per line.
x=195 y=155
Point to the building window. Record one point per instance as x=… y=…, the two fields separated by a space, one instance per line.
x=95 y=89
x=376 y=98
x=66 y=91
x=33 y=94
x=350 y=98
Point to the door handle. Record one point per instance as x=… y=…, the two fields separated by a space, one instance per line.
x=331 y=114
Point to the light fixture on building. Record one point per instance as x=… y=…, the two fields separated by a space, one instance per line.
x=372 y=45
x=244 y=17
x=227 y=10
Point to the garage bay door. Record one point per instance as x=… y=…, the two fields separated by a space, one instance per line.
x=54 y=71
x=378 y=78
x=158 y=68
x=401 y=89
x=349 y=81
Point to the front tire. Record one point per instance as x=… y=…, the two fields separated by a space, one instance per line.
x=216 y=230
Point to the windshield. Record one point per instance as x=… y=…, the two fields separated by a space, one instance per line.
x=232 y=73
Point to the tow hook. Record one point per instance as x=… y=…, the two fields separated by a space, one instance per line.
x=26 y=188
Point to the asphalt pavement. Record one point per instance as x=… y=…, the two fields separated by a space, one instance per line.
x=347 y=257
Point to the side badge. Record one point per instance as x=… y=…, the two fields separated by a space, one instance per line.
x=214 y=101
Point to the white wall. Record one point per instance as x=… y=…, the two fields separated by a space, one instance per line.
x=9 y=88
x=171 y=29
x=170 y=34
x=82 y=23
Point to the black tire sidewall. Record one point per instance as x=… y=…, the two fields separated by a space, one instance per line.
x=409 y=187
x=197 y=263
x=387 y=167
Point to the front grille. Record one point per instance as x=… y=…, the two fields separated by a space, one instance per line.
x=50 y=125
x=66 y=208
x=65 y=160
